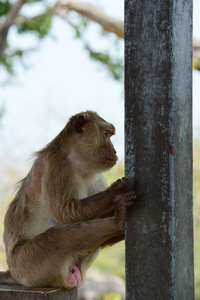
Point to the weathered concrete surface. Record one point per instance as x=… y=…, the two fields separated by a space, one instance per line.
x=19 y=292
x=158 y=134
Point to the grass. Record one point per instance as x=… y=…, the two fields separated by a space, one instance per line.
x=196 y=182
x=111 y=260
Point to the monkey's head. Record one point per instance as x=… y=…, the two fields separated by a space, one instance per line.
x=90 y=143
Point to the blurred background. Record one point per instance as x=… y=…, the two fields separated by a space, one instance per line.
x=58 y=58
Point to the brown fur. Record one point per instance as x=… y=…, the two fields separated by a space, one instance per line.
x=55 y=220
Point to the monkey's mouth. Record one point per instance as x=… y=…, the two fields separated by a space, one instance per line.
x=111 y=161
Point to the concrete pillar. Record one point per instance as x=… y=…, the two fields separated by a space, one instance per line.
x=158 y=136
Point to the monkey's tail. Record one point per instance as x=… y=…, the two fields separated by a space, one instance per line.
x=5 y=277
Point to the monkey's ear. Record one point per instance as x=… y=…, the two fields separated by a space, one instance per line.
x=79 y=124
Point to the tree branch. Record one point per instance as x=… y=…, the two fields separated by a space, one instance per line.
x=93 y=13
x=9 y=20
x=110 y=24
x=62 y=8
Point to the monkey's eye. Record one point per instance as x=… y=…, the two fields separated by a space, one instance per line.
x=107 y=133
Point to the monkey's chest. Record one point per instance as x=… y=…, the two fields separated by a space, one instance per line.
x=87 y=187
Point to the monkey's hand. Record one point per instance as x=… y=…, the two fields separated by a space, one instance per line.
x=122 y=186
x=121 y=203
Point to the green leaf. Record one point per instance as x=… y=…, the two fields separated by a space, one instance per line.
x=39 y=25
x=4 y=7
x=116 y=68
x=84 y=22
x=8 y=64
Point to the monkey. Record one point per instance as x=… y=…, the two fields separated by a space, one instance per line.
x=64 y=212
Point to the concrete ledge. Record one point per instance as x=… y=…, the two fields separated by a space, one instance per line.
x=19 y=292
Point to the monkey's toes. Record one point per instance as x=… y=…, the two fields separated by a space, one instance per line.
x=129 y=198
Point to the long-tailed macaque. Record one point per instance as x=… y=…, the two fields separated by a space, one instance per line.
x=64 y=212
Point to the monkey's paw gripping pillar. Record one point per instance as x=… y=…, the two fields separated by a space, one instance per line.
x=18 y=292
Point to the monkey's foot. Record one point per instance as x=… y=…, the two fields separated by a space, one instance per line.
x=74 y=278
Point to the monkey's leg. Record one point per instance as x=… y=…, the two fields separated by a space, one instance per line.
x=113 y=240
x=5 y=277
x=47 y=259
x=51 y=258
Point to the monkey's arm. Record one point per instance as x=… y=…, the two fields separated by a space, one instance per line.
x=92 y=207
x=85 y=209
x=64 y=204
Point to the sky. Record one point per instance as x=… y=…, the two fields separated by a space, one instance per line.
x=60 y=80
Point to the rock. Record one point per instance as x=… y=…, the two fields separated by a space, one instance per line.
x=98 y=283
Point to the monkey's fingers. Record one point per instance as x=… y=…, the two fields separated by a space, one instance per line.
x=121 y=182
x=115 y=186
x=123 y=185
x=118 y=181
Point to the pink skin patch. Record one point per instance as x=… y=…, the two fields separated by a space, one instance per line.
x=74 y=278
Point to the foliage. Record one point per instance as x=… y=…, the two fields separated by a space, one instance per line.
x=112 y=260
x=4 y=7
x=195 y=63
x=112 y=296
x=196 y=182
x=8 y=60
x=114 y=65
x=40 y=27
